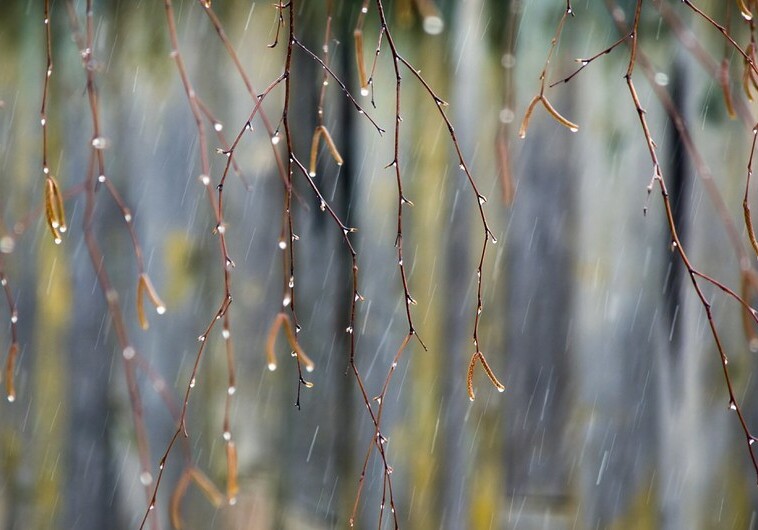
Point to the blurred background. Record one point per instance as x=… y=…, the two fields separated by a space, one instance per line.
x=615 y=413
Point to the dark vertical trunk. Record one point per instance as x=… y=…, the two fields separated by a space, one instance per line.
x=90 y=482
x=344 y=435
x=539 y=295
x=681 y=358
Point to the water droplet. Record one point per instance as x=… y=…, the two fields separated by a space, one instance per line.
x=192 y=383
x=282 y=244
x=326 y=82
x=271 y=367
x=291 y=282
x=14 y=318
x=99 y=142
x=227 y=436
x=349 y=329
x=573 y=129
x=500 y=388
x=661 y=79
x=364 y=91
x=101 y=179
x=221 y=229
x=732 y=405
x=482 y=199
x=205 y=179
x=201 y=338
x=312 y=174
x=146 y=478
x=218 y=126
x=43 y=121
x=231 y=390
x=433 y=25
x=364 y=10
x=322 y=206
x=309 y=367
x=225 y=333
x=57 y=241
x=286 y=300
x=128 y=217
x=161 y=309
x=7 y=244
x=275 y=139
x=129 y=353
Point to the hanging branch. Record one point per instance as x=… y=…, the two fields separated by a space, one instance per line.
x=693 y=273
x=97 y=145
x=10 y=360
x=227 y=264
x=541 y=97
x=55 y=214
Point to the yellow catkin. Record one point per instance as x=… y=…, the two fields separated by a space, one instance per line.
x=744 y=11
x=358 y=39
x=470 y=378
x=232 y=486
x=571 y=126
x=54 y=212
x=10 y=364
x=145 y=286
x=176 y=500
x=206 y=485
x=500 y=387
x=314 y=151
x=527 y=116
x=283 y=319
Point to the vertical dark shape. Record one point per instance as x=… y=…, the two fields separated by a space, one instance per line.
x=89 y=478
x=677 y=187
x=682 y=358
x=540 y=268
x=296 y=479
x=344 y=425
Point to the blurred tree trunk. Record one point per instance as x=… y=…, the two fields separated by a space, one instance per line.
x=90 y=485
x=460 y=251
x=681 y=358
x=540 y=267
